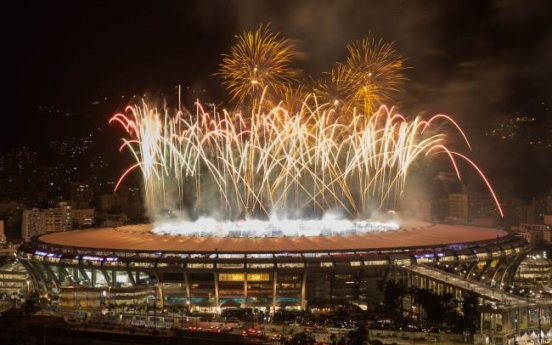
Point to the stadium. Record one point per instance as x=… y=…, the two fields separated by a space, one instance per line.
x=301 y=158
x=132 y=266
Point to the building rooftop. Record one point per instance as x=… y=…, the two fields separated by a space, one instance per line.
x=140 y=238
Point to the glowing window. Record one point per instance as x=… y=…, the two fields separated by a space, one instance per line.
x=260 y=265
x=376 y=263
x=199 y=265
x=258 y=277
x=230 y=265
x=290 y=265
x=231 y=277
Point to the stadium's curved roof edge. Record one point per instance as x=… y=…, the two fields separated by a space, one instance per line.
x=140 y=238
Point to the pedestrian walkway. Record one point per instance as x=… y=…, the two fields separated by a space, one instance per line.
x=485 y=291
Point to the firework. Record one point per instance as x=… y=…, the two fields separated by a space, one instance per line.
x=286 y=151
x=258 y=61
x=372 y=72
x=337 y=91
x=302 y=163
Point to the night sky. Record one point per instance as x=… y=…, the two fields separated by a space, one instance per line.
x=482 y=62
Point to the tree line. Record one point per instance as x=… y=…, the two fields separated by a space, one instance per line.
x=459 y=315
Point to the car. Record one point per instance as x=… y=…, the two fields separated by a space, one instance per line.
x=252 y=332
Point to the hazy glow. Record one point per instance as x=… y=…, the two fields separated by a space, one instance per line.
x=328 y=226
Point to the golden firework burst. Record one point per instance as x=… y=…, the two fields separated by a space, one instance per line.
x=373 y=71
x=258 y=61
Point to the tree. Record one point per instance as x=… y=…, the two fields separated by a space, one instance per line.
x=426 y=299
x=449 y=306
x=392 y=296
x=30 y=306
x=438 y=309
x=444 y=309
x=470 y=309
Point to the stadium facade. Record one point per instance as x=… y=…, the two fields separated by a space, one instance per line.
x=132 y=266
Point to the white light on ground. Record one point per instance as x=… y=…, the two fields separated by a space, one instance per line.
x=327 y=226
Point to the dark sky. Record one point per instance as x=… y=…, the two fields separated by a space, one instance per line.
x=482 y=62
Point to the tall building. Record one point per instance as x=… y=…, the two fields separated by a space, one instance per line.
x=458 y=206
x=37 y=222
x=536 y=210
x=515 y=212
x=82 y=195
x=471 y=207
x=3 y=240
x=83 y=217
x=114 y=201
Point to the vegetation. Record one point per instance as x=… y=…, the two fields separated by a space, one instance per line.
x=435 y=310
x=301 y=339
x=30 y=306
x=393 y=296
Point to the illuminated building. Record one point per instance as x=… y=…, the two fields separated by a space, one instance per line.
x=534 y=271
x=14 y=278
x=83 y=217
x=37 y=222
x=131 y=263
x=458 y=206
x=535 y=234
x=475 y=208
